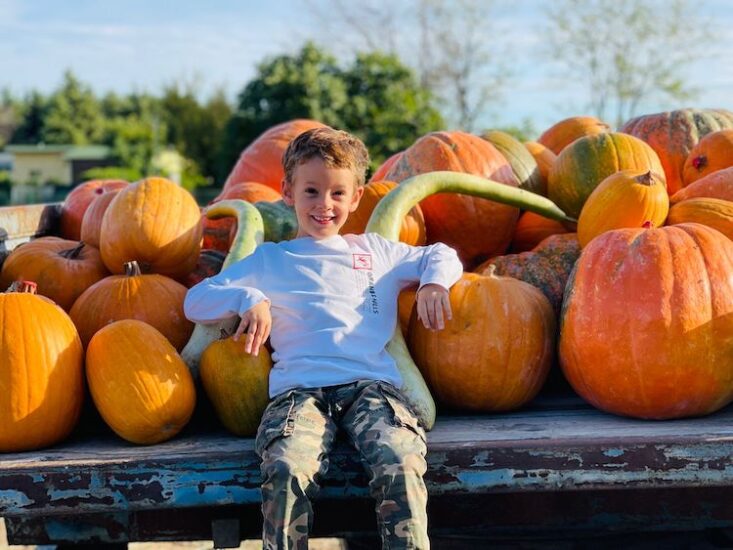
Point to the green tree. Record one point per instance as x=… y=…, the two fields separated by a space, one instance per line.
x=625 y=51
x=387 y=108
x=307 y=85
x=73 y=115
x=32 y=115
x=376 y=97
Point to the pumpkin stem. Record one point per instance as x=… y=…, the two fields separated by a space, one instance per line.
x=645 y=179
x=490 y=271
x=132 y=269
x=699 y=162
x=26 y=287
x=648 y=224
x=73 y=253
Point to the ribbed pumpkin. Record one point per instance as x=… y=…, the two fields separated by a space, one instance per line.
x=155 y=299
x=712 y=153
x=495 y=353
x=544 y=158
x=532 y=229
x=91 y=223
x=156 y=223
x=589 y=160
x=546 y=267
x=522 y=162
x=261 y=160
x=41 y=373
x=715 y=213
x=718 y=185
x=563 y=133
x=457 y=219
x=236 y=383
x=413 y=225
x=673 y=134
x=405 y=303
x=140 y=385
x=380 y=173
x=628 y=198
x=219 y=234
x=647 y=326
x=62 y=269
x=78 y=200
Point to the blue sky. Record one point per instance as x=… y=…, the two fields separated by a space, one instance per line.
x=142 y=45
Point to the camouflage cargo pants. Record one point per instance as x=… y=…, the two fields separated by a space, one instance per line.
x=296 y=434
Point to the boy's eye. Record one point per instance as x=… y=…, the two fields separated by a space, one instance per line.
x=311 y=190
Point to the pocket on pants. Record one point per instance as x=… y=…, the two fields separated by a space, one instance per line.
x=277 y=421
x=402 y=413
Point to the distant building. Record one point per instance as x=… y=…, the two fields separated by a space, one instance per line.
x=6 y=162
x=55 y=164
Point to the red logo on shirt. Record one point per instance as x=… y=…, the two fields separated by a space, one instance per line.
x=362 y=261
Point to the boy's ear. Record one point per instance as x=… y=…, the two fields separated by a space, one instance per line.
x=356 y=198
x=287 y=192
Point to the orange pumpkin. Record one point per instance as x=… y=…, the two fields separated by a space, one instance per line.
x=589 y=160
x=718 y=185
x=495 y=353
x=629 y=198
x=91 y=224
x=236 y=383
x=712 y=153
x=413 y=225
x=532 y=229
x=261 y=160
x=155 y=299
x=381 y=172
x=563 y=133
x=156 y=223
x=405 y=304
x=62 y=269
x=77 y=202
x=544 y=158
x=41 y=373
x=453 y=218
x=715 y=213
x=673 y=134
x=647 y=327
x=140 y=385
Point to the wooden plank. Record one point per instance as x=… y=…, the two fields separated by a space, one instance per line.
x=19 y=224
x=551 y=450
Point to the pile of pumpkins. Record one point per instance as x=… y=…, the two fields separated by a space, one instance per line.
x=631 y=294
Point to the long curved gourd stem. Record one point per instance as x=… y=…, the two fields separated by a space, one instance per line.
x=386 y=220
x=250 y=233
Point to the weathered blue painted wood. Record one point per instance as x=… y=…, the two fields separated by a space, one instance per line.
x=550 y=450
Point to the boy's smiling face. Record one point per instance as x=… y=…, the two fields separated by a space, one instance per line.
x=323 y=197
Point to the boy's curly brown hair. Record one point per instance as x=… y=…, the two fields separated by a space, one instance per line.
x=337 y=149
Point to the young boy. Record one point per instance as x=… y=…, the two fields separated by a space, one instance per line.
x=331 y=302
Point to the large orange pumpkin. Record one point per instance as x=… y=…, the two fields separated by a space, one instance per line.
x=587 y=161
x=715 y=213
x=495 y=353
x=261 y=160
x=77 y=202
x=712 y=153
x=236 y=383
x=673 y=134
x=718 y=185
x=380 y=173
x=413 y=225
x=532 y=229
x=563 y=133
x=459 y=220
x=155 y=299
x=629 y=198
x=41 y=373
x=647 y=326
x=91 y=223
x=61 y=269
x=140 y=385
x=156 y=223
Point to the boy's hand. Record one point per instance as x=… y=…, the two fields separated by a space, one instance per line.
x=257 y=322
x=433 y=306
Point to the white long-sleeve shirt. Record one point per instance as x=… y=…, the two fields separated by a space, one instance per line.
x=333 y=303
